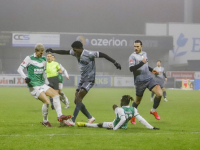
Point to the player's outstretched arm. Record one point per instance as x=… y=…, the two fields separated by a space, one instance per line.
x=102 y=55
x=61 y=52
x=145 y=123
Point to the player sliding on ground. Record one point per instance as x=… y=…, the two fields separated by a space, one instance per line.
x=123 y=115
x=86 y=61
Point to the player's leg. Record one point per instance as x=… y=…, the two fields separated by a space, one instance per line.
x=140 y=88
x=152 y=94
x=63 y=97
x=157 y=90
x=56 y=101
x=164 y=94
x=108 y=125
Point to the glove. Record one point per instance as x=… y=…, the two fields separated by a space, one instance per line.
x=156 y=128
x=49 y=50
x=117 y=65
x=27 y=80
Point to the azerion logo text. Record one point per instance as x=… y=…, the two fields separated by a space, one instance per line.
x=108 y=42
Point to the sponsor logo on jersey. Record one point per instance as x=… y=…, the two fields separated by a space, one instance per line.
x=38 y=71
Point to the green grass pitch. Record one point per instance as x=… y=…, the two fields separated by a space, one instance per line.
x=20 y=127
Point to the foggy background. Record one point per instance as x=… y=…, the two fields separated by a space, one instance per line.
x=91 y=16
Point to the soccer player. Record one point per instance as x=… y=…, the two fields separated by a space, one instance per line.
x=138 y=64
x=160 y=79
x=51 y=70
x=86 y=61
x=63 y=97
x=35 y=80
x=123 y=115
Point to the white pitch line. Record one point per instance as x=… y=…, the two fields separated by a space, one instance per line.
x=17 y=135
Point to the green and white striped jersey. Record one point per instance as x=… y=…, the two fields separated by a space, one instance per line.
x=35 y=68
x=128 y=112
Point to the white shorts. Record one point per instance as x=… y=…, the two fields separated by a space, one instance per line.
x=35 y=91
x=60 y=86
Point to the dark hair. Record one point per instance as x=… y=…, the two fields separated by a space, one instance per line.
x=159 y=61
x=53 y=56
x=138 y=41
x=77 y=44
x=126 y=99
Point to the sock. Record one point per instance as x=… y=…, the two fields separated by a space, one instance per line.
x=45 y=112
x=76 y=110
x=85 y=111
x=152 y=94
x=156 y=102
x=164 y=94
x=94 y=125
x=64 y=98
x=57 y=105
x=135 y=105
x=51 y=100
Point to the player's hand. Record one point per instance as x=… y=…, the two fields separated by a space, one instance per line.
x=117 y=65
x=49 y=50
x=67 y=78
x=144 y=60
x=155 y=72
x=165 y=79
x=27 y=80
x=154 y=128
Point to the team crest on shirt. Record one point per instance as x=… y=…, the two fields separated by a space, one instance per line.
x=23 y=62
x=131 y=61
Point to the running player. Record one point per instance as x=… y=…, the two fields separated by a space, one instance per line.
x=138 y=64
x=86 y=61
x=123 y=115
x=63 y=97
x=160 y=79
x=35 y=80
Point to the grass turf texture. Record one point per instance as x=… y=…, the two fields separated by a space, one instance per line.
x=20 y=126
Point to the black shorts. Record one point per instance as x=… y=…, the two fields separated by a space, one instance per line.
x=54 y=82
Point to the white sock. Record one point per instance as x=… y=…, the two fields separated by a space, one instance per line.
x=153 y=110
x=94 y=125
x=57 y=105
x=63 y=96
x=45 y=112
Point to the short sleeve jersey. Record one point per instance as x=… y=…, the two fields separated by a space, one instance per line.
x=126 y=111
x=160 y=77
x=52 y=68
x=142 y=73
x=35 y=69
x=87 y=64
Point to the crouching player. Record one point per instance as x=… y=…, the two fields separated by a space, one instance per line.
x=123 y=115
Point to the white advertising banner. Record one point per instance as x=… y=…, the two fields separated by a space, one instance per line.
x=123 y=82
x=11 y=81
x=186 y=43
x=30 y=40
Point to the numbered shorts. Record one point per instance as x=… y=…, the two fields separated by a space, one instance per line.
x=85 y=85
x=36 y=90
x=140 y=86
x=60 y=86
